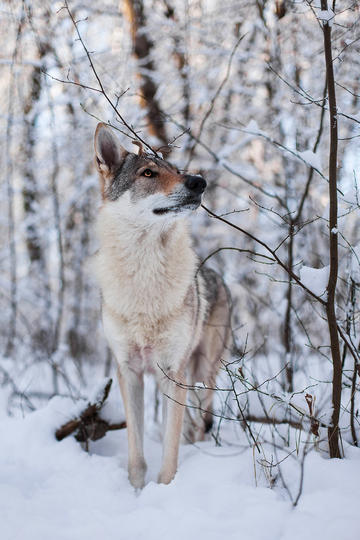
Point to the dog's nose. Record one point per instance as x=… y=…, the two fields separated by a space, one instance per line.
x=196 y=184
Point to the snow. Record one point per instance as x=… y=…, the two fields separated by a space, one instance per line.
x=55 y=490
x=310 y=158
x=326 y=16
x=315 y=279
x=253 y=127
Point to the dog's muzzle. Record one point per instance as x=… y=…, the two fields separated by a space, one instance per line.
x=190 y=198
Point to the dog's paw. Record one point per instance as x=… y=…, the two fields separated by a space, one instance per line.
x=192 y=432
x=165 y=477
x=137 y=474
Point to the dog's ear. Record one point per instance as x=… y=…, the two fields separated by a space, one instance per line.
x=109 y=153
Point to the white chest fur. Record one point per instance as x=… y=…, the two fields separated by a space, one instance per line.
x=144 y=273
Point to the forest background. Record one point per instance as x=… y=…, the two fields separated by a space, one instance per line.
x=262 y=98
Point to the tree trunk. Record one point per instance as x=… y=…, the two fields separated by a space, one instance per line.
x=333 y=431
x=142 y=48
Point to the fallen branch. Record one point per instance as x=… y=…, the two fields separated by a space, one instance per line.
x=88 y=425
x=272 y=421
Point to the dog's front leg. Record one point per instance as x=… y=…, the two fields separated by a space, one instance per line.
x=174 y=406
x=132 y=391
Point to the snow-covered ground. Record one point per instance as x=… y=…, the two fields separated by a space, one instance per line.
x=54 y=490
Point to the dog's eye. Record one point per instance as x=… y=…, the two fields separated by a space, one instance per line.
x=149 y=173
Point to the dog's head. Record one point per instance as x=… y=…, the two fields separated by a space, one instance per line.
x=142 y=185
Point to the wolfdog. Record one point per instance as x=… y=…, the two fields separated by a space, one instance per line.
x=161 y=315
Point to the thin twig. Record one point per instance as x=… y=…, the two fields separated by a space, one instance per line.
x=102 y=89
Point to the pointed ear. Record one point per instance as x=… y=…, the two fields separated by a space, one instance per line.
x=109 y=153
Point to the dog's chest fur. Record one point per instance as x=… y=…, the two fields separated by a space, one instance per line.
x=145 y=275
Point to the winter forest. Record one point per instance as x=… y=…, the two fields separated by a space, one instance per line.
x=262 y=99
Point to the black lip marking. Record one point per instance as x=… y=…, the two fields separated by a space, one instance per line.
x=159 y=211
x=187 y=205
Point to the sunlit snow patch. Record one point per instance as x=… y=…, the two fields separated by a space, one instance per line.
x=315 y=279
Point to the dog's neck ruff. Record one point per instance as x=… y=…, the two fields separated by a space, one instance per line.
x=144 y=274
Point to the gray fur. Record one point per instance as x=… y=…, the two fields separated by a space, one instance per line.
x=160 y=315
x=125 y=175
